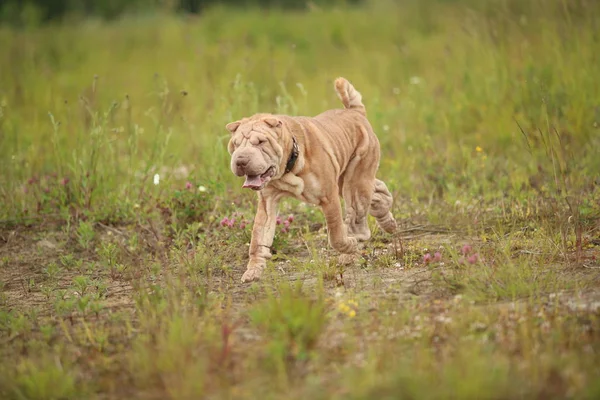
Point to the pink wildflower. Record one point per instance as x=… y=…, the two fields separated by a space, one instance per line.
x=286 y=224
x=278 y=220
x=427 y=258
x=290 y=218
x=188 y=185
x=437 y=256
x=466 y=249
x=224 y=221
x=473 y=258
x=64 y=181
x=243 y=225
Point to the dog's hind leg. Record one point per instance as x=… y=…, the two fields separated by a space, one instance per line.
x=381 y=204
x=357 y=190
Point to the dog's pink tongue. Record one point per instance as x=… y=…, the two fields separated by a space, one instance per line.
x=252 y=181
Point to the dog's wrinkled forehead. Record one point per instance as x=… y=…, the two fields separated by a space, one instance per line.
x=254 y=130
x=250 y=133
x=246 y=126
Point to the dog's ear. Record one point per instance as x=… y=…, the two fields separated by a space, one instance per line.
x=272 y=122
x=232 y=126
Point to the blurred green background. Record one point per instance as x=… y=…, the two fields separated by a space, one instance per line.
x=472 y=100
x=35 y=12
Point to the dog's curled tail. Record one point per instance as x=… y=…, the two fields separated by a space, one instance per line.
x=350 y=97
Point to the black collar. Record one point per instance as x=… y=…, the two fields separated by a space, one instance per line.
x=293 y=156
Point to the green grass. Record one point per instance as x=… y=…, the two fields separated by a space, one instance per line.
x=112 y=286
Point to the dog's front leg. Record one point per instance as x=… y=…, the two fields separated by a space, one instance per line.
x=338 y=234
x=262 y=236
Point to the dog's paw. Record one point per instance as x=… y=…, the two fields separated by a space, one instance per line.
x=345 y=245
x=360 y=236
x=347 y=259
x=252 y=274
x=352 y=245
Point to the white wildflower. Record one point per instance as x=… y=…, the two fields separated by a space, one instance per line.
x=202 y=188
x=156 y=179
x=415 y=80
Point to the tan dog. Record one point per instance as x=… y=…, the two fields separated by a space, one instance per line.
x=315 y=160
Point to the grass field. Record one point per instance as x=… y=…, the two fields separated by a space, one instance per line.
x=117 y=279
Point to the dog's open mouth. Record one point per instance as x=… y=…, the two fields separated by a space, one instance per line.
x=257 y=182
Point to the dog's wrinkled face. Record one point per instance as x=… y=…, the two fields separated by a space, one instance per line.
x=256 y=150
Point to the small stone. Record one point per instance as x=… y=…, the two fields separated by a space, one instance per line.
x=46 y=244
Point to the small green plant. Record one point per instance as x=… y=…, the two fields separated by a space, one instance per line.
x=70 y=262
x=85 y=234
x=44 y=379
x=47 y=290
x=293 y=323
x=47 y=331
x=5 y=317
x=101 y=287
x=30 y=285
x=81 y=283
x=82 y=303
x=190 y=205
x=3 y=296
x=52 y=271
x=64 y=307
x=133 y=242
x=109 y=253
x=179 y=351
x=95 y=307
x=18 y=323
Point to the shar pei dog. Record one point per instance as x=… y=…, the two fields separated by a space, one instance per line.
x=316 y=160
